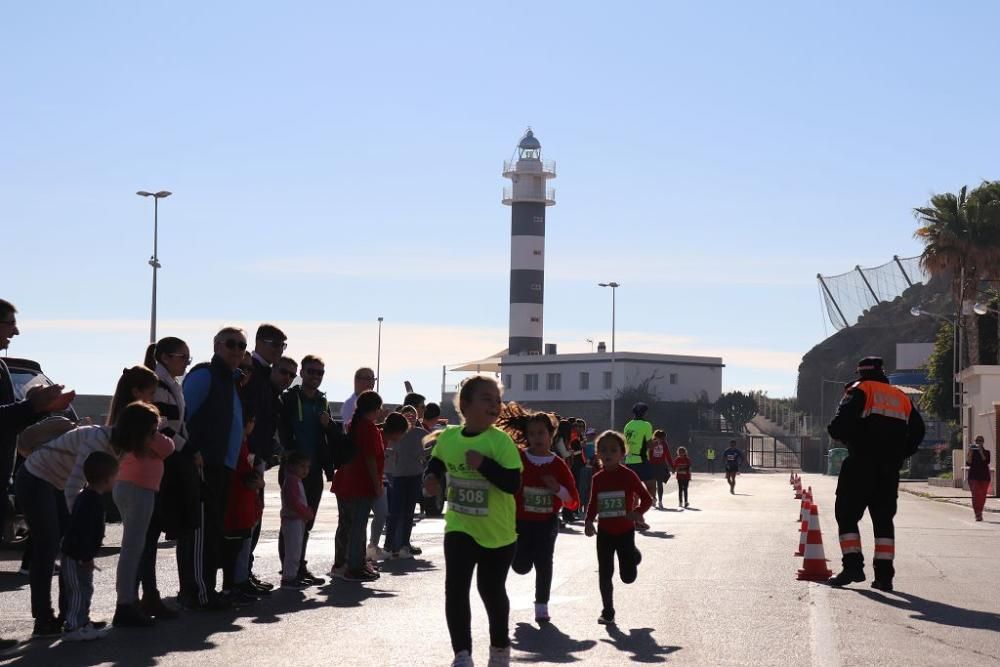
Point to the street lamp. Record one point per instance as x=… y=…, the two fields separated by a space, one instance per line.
x=378 y=357
x=591 y=341
x=983 y=309
x=154 y=260
x=614 y=288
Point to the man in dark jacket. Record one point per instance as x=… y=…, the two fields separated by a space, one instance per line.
x=17 y=415
x=214 y=416
x=304 y=426
x=261 y=398
x=880 y=427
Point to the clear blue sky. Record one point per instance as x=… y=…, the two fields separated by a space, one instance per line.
x=332 y=163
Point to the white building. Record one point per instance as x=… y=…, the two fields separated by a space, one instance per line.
x=558 y=378
x=980 y=404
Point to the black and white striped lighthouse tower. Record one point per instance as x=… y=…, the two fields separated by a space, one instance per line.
x=527 y=197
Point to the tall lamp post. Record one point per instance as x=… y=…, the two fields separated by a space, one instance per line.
x=614 y=288
x=378 y=357
x=956 y=399
x=154 y=261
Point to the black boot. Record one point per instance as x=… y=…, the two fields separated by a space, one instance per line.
x=884 y=572
x=853 y=571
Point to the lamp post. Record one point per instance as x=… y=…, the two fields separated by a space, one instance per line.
x=378 y=357
x=957 y=393
x=614 y=288
x=154 y=260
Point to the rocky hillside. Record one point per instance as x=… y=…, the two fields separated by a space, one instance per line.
x=876 y=333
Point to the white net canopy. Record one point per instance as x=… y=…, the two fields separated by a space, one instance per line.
x=848 y=295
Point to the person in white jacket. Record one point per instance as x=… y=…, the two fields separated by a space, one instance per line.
x=48 y=484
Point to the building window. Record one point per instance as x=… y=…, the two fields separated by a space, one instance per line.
x=535 y=319
x=584 y=381
x=607 y=379
x=507 y=380
x=673 y=378
x=553 y=381
x=531 y=382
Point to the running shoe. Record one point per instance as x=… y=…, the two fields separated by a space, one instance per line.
x=85 y=633
x=376 y=553
x=130 y=616
x=499 y=657
x=263 y=585
x=403 y=554
x=295 y=584
x=416 y=551
x=462 y=659
x=338 y=571
x=607 y=617
x=306 y=575
x=360 y=575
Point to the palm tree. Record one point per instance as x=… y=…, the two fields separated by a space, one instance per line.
x=961 y=235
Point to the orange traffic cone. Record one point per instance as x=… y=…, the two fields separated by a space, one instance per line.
x=791 y=478
x=798 y=490
x=804 y=506
x=803 y=534
x=814 y=564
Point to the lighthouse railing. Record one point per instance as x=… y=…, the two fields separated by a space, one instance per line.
x=548 y=168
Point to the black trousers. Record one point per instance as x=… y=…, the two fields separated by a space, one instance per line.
x=873 y=486
x=47 y=515
x=313 y=485
x=462 y=555
x=215 y=495
x=536 y=542
x=607 y=547
x=682 y=491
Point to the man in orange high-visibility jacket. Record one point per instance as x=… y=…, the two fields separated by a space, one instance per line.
x=880 y=427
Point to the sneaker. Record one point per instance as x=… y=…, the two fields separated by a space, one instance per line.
x=376 y=553
x=338 y=572
x=607 y=617
x=153 y=605
x=416 y=551
x=85 y=633
x=882 y=584
x=462 y=659
x=360 y=575
x=542 y=613
x=239 y=598
x=131 y=616
x=847 y=577
x=373 y=570
x=403 y=553
x=499 y=657
x=686 y=505
x=46 y=627
x=306 y=575
x=261 y=584
x=248 y=588
x=295 y=584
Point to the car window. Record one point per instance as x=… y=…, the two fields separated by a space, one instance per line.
x=25 y=379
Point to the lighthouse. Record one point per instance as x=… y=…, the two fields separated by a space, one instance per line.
x=527 y=196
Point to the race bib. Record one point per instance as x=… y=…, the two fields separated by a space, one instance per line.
x=611 y=504
x=538 y=500
x=469 y=496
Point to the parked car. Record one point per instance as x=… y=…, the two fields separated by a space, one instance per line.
x=25 y=374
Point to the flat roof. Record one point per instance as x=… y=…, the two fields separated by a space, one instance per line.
x=596 y=357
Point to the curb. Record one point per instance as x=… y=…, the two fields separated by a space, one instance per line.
x=960 y=502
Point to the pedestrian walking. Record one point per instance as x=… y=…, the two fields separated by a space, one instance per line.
x=732 y=457
x=978 y=461
x=660 y=462
x=482 y=468
x=880 y=427
x=618 y=502
x=682 y=466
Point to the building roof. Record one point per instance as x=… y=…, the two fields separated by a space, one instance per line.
x=605 y=357
x=529 y=142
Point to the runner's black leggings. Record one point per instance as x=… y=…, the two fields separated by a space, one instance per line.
x=536 y=542
x=607 y=547
x=682 y=491
x=462 y=555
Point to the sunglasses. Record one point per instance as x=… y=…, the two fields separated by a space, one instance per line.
x=233 y=344
x=179 y=355
x=276 y=344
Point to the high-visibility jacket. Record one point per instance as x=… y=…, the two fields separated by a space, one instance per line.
x=877 y=420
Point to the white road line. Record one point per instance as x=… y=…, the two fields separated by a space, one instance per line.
x=823 y=632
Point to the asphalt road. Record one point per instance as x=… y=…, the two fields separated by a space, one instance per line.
x=717 y=586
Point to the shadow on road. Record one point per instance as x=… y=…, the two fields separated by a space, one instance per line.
x=640 y=643
x=404 y=566
x=351 y=593
x=12 y=581
x=548 y=644
x=659 y=534
x=691 y=509
x=937 y=612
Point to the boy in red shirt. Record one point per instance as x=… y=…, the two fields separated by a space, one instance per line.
x=658 y=454
x=547 y=486
x=618 y=500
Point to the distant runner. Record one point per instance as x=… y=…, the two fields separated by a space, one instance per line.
x=733 y=458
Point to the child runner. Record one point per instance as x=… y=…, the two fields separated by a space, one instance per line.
x=295 y=512
x=482 y=468
x=638 y=432
x=395 y=426
x=618 y=500
x=658 y=452
x=80 y=545
x=548 y=486
x=408 y=472
x=682 y=465
x=732 y=458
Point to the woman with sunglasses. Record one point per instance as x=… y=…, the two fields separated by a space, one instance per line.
x=214 y=419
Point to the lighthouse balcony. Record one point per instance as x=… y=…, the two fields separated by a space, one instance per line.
x=532 y=167
x=548 y=197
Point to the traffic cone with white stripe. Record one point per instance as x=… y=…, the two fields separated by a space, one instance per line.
x=798 y=489
x=804 y=506
x=814 y=566
x=791 y=478
x=804 y=526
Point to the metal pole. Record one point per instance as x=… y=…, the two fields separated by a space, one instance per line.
x=902 y=270
x=867 y=284
x=614 y=289
x=155 y=263
x=378 y=357
x=832 y=300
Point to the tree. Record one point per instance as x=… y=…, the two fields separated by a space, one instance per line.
x=938 y=396
x=961 y=236
x=738 y=409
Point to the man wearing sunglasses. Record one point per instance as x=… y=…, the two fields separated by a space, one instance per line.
x=214 y=416
x=304 y=426
x=261 y=398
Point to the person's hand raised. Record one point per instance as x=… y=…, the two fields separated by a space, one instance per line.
x=50 y=399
